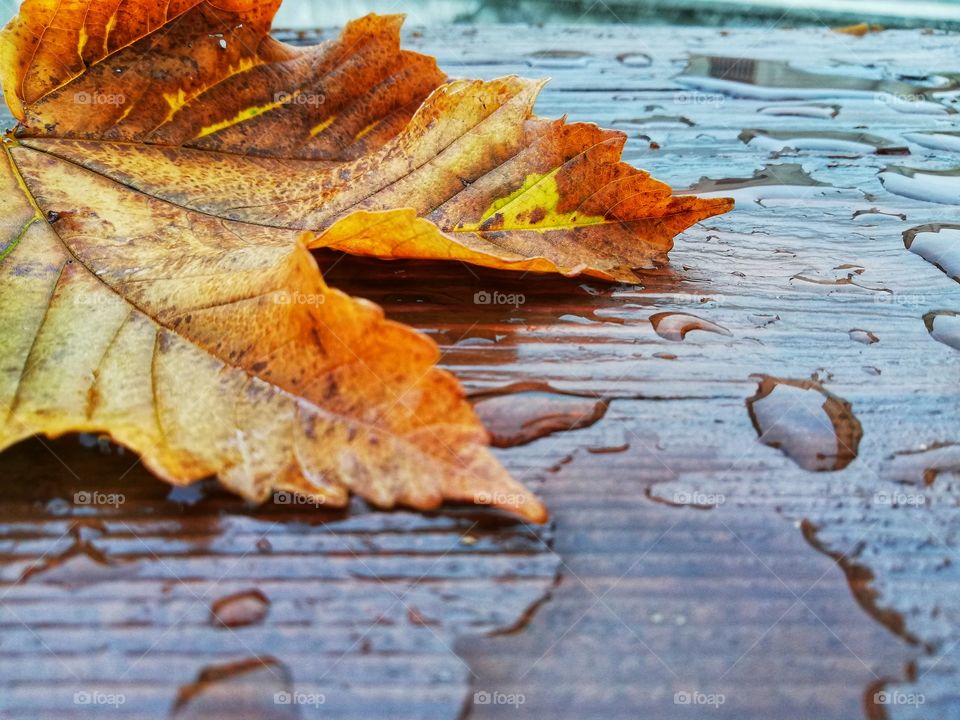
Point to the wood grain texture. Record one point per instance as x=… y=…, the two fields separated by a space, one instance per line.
x=801 y=595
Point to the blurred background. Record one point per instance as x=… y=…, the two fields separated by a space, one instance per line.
x=890 y=13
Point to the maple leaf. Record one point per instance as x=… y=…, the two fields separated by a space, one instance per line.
x=213 y=347
x=171 y=167
x=209 y=346
x=425 y=169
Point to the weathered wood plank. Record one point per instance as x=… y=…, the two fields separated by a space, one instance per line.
x=380 y=613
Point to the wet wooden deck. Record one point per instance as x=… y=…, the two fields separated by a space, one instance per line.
x=691 y=570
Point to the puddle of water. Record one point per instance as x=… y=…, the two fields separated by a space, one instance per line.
x=813 y=427
x=861 y=580
x=81 y=564
x=681 y=612
x=825 y=140
x=250 y=689
x=787 y=180
x=676 y=326
x=937 y=244
x=923 y=466
x=777 y=80
x=240 y=609
x=938 y=186
x=520 y=416
x=944 y=326
x=864 y=336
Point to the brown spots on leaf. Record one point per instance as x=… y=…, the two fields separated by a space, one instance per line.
x=493 y=224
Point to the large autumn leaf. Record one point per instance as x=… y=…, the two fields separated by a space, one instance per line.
x=213 y=347
x=157 y=287
x=356 y=155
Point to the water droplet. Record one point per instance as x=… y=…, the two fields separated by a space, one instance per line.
x=777 y=80
x=864 y=336
x=938 y=245
x=577 y=319
x=244 y=689
x=58 y=506
x=822 y=140
x=657 y=121
x=762 y=321
x=944 y=325
x=244 y=608
x=559 y=59
x=811 y=426
x=939 y=186
x=676 y=326
x=415 y=617
x=635 y=59
x=809 y=110
x=101 y=443
x=520 y=416
x=475 y=342
x=924 y=465
x=188 y=494
x=876 y=214
x=840 y=276
x=949 y=141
